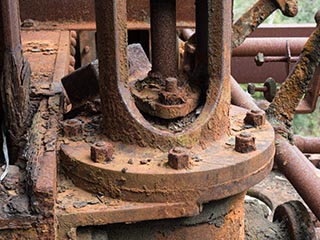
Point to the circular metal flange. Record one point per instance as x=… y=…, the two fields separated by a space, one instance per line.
x=143 y=175
x=297 y=220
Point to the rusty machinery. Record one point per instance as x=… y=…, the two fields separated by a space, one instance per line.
x=160 y=153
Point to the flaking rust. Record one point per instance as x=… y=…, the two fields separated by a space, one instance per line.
x=282 y=108
x=122 y=165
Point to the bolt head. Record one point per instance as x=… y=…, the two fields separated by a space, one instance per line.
x=171 y=84
x=72 y=127
x=245 y=143
x=251 y=88
x=259 y=59
x=101 y=151
x=255 y=118
x=179 y=158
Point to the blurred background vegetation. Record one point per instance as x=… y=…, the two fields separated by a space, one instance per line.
x=304 y=124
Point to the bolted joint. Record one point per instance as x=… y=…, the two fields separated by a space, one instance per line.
x=179 y=158
x=101 y=152
x=72 y=128
x=255 y=118
x=245 y=143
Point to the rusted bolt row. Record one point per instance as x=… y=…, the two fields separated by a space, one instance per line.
x=255 y=118
x=245 y=143
x=179 y=158
x=101 y=152
x=73 y=45
x=72 y=128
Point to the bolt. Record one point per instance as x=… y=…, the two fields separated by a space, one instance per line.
x=171 y=84
x=255 y=118
x=179 y=158
x=72 y=127
x=253 y=88
x=101 y=151
x=259 y=59
x=245 y=143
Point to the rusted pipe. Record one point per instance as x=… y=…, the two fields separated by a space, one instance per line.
x=240 y=98
x=287 y=99
x=300 y=172
x=307 y=144
x=262 y=9
x=163 y=37
x=270 y=46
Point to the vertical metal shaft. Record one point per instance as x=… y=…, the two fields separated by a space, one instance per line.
x=163 y=37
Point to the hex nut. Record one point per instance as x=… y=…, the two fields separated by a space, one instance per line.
x=101 y=151
x=171 y=84
x=245 y=143
x=255 y=118
x=72 y=128
x=179 y=158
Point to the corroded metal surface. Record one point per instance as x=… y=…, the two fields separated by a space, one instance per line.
x=262 y=9
x=212 y=177
x=307 y=144
x=32 y=212
x=207 y=225
x=283 y=106
x=297 y=220
x=15 y=80
x=83 y=10
x=127 y=124
x=77 y=210
x=163 y=37
x=300 y=172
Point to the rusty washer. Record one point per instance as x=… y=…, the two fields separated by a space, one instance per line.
x=245 y=143
x=255 y=118
x=72 y=128
x=178 y=158
x=101 y=151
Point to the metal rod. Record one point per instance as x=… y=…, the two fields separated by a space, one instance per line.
x=300 y=172
x=163 y=37
x=307 y=144
x=269 y=46
x=240 y=98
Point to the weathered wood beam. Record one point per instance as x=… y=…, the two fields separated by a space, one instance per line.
x=14 y=79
